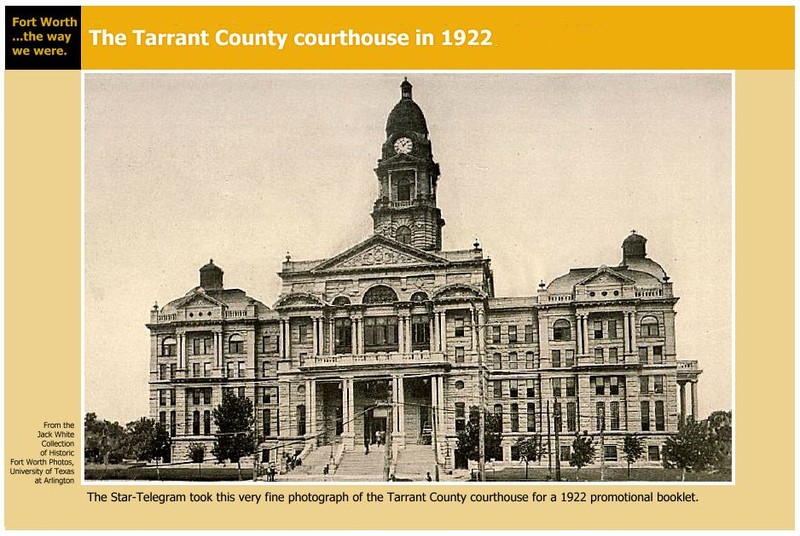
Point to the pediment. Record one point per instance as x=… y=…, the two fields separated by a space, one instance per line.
x=197 y=298
x=299 y=299
x=379 y=251
x=605 y=276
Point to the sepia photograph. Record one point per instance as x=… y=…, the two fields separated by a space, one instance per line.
x=408 y=276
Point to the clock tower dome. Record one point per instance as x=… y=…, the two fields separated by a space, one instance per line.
x=406 y=206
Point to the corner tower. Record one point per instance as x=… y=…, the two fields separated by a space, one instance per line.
x=406 y=206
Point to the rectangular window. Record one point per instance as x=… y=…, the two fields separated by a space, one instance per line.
x=196 y=423
x=196 y=393
x=264 y=369
x=201 y=346
x=600 y=411
x=613 y=356
x=645 y=416
x=207 y=396
x=302 y=332
x=598 y=356
x=265 y=395
x=614 y=415
x=512 y=333
x=610 y=453
x=497 y=361
x=172 y=397
x=512 y=360
x=162 y=372
x=643 y=355
x=162 y=418
x=529 y=333
x=196 y=370
x=652 y=453
x=231 y=369
x=513 y=388
x=380 y=333
x=236 y=345
x=569 y=358
x=265 y=420
x=162 y=397
x=613 y=388
x=612 y=329
x=644 y=384
x=496 y=334
x=557 y=420
x=459 y=326
x=241 y=392
x=598 y=329
x=570 y=386
x=555 y=357
x=658 y=385
x=659 y=415
x=571 y=417
x=266 y=344
x=514 y=417
x=530 y=390
x=172 y=424
x=498 y=388
x=531 y=417
x=240 y=369
x=461 y=422
x=599 y=385
x=459 y=354
x=301 y=420
x=343 y=331
x=658 y=355
x=173 y=370
x=565 y=453
x=498 y=412
x=206 y=370
x=529 y=364
x=420 y=332
x=303 y=357
x=556 y=383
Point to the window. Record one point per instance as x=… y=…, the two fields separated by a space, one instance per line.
x=498 y=412
x=461 y=421
x=658 y=355
x=303 y=357
x=459 y=330
x=645 y=416
x=168 y=347
x=613 y=388
x=610 y=454
x=196 y=422
x=497 y=388
x=302 y=333
x=266 y=421
x=614 y=407
x=172 y=397
x=459 y=354
x=512 y=360
x=557 y=416
x=240 y=392
x=598 y=329
x=529 y=333
x=658 y=385
x=240 y=369
x=162 y=372
x=571 y=417
x=600 y=410
x=644 y=384
x=530 y=389
x=196 y=394
x=613 y=355
x=206 y=422
x=344 y=335
x=556 y=384
x=459 y=384
x=496 y=334
x=265 y=344
x=555 y=357
x=236 y=344
x=531 y=417
x=599 y=385
x=162 y=397
x=420 y=331
x=265 y=395
x=529 y=363
x=196 y=370
x=264 y=369
x=569 y=358
x=162 y=418
x=172 y=424
x=652 y=453
x=660 y=415
x=380 y=294
x=201 y=346
x=570 y=386
x=173 y=370
x=649 y=326
x=643 y=355
x=206 y=369
x=513 y=388
x=380 y=333
x=207 y=396
x=562 y=330
x=497 y=361
x=419 y=297
x=230 y=369
x=403 y=234
x=404 y=189
x=512 y=333
x=598 y=356
x=565 y=453
x=301 y=420
x=612 y=329
x=514 y=417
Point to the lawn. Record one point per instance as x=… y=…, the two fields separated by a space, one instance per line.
x=612 y=474
x=183 y=473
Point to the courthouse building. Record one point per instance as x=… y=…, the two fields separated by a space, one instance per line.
x=394 y=340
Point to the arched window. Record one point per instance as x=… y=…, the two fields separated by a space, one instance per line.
x=340 y=301
x=196 y=422
x=562 y=330
x=404 y=189
x=168 y=347
x=419 y=297
x=236 y=344
x=403 y=234
x=649 y=326
x=380 y=294
x=206 y=422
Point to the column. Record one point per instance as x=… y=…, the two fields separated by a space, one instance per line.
x=695 y=414
x=481 y=332
x=307 y=403
x=432 y=332
x=626 y=334
x=345 y=407
x=351 y=410
x=353 y=336
x=401 y=334
x=314 y=336
x=218 y=350
x=401 y=397
x=434 y=398
x=579 y=333
x=331 y=336
x=473 y=331
x=682 y=387
x=443 y=330
x=360 y=335
x=440 y=423
x=312 y=389
x=181 y=351
x=585 y=334
x=409 y=343
x=632 y=324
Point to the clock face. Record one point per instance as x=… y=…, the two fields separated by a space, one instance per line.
x=403 y=146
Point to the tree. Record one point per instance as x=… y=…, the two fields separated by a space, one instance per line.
x=582 y=451
x=467 y=439
x=720 y=439
x=235 y=424
x=530 y=450
x=105 y=441
x=633 y=448
x=161 y=445
x=689 y=449
x=140 y=439
x=197 y=453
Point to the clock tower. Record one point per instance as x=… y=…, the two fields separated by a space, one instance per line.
x=406 y=206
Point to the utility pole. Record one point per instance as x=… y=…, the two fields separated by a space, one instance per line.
x=602 y=450
x=481 y=416
x=434 y=411
x=557 y=423
x=549 y=442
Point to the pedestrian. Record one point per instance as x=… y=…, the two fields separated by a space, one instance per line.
x=428 y=477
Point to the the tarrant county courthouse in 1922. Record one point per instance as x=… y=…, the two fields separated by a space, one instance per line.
x=393 y=341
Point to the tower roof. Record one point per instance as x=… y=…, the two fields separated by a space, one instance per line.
x=406 y=115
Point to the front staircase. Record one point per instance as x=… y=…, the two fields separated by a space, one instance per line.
x=314 y=462
x=414 y=462
x=357 y=466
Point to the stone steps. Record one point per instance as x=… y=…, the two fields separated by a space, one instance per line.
x=365 y=466
x=414 y=462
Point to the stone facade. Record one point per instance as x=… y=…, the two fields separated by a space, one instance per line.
x=395 y=340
